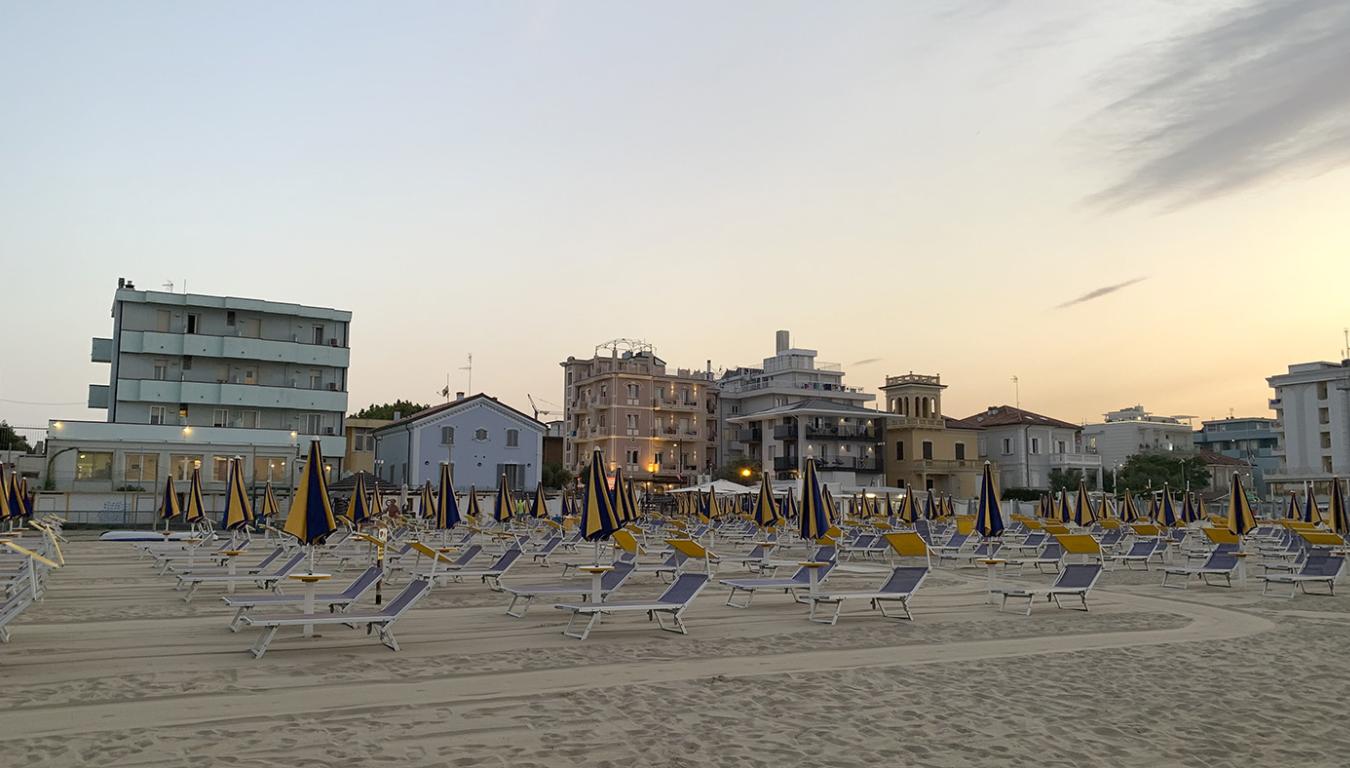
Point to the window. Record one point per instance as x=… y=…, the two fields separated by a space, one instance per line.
x=248 y=419
x=182 y=413
x=1326 y=464
x=182 y=465
x=515 y=475
x=1321 y=390
x=899 y=451
x=192 y=323
x=447 y=435
x=1326 y=439
x=318 y=334
x=960 y=451
x=269 y=469
x=480 y=435
x=1007 y=446
x=93 y=465
x=1035 y=445
x=141 y=468
x=316 y=379
x=512 y=438
x=220 y=468
x=660 y=458
x=187 y=362
x=632 y=457
x=220 y=417
x=161 y=370
x=162 y=320
x=928 y=450
x=634 y=392
x=631 y=421
x=1323 y=416
x=313 y=423
x=250 y=375
x=156 y=414
x=229 y=318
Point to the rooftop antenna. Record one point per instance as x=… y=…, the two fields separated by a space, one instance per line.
x=469 y=386
x=168 y=286
x=1346 y=331
x=1017 y=393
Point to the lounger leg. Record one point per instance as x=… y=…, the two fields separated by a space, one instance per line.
x=260 y=647
x=584 y=633
x=750 y=595
x=191 y=591
x=387 y=637
x=238 y=615
x=4 y=634
x=510 y=608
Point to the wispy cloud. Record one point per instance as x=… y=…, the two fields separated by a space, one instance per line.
x=1249 y=95
x=866 y=361
x=1097 y=293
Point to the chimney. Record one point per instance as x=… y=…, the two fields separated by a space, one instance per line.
x=121 y=282
x=459 y=395
x=708 y=372
x=398 y=415
x=783 y=342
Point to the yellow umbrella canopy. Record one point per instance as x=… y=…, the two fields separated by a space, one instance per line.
x=270 y=508
x=766 y=508
x=168 y=506
x=471 y=510
x=238 y=510
x=1240 y=517
x=598 y=520
x=538 y=510
x=196 y=506
x=311 y=516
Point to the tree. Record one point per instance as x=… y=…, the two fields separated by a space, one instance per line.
x=1066 y=480
x=1020 y=494
x=11 y=440
x=1144 y=470
x=386 y=410
x=554 y=475
x=736 y=472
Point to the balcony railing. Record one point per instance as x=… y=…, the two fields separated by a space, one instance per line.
x=750 y=435
x=936 y=465
x=832 y=463
x=844 y=432
x=785 y=432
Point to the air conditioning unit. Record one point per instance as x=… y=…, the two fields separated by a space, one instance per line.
x=332 y=342
x=328 y=430
x=332 y=386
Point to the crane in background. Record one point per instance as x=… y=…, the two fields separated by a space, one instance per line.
x=536 y=409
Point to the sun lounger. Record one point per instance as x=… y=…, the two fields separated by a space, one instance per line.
x=335 y=601
x=1051 y=555
x=268 y=580
x=581 y=589
x=219 y=570
x=1075 y=580
x=800 y=580
x=1218 y=564
x=671 y=604
x=899 y=588
x=754 y=559
x=1140 y=551
x=381 y=620
x=490 y=575
x=1319 y=567
x=541 y=554
x=439 y=562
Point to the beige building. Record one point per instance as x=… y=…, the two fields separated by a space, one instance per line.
x=659 y=426
x=925 y=449
x=360 y=455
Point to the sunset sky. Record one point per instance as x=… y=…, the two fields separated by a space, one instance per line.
x=925 y=186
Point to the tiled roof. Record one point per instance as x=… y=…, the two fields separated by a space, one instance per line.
x=1007 y=416
x=1212 y=459
x=435 y=409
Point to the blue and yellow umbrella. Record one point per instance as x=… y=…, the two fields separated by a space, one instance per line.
x=195 y=511
x=1188 y=514
x=168 y=502
x=1291 y=510
x=1065 y=513
x=1106 y=510
x=931 y=509
x=1311 y=512
x=831 y=510
x=623 y=507
x=358 y=510
x=815 y=519
x=447 y=506
x=908 y=512
x=539 y=509
x=503 y=506
x=472 y=511
x=1082 y=513
x=1240 y=517
x=989 y=518
x=1129 y=513
x=1339 y=523
x=4 y=494
x=766 y=509
x=1167 y=513
x=310 y=519
x=598 y=520
x=238 y=511
x=270 y=509
x=787 y=510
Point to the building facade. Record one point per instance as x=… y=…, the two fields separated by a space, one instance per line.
x=925 y=449
x=360 y=435
x=1027 y=447
x=195 y=380
x=754 y=399
x=1253 y=440
x=659 y=426
x=1312 y=413
x=1132 y=430
x=480 y=437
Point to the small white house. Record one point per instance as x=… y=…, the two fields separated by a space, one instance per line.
x=480 y=437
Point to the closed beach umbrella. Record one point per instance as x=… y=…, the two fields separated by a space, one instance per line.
x=4 y=494
x=1291 y=511
x=633 y=500
x=310 y=519
x=909 y=512
x=1240 y=517
x=890 y=510
x=238 y=510
x=1106 y=510
x=195 y=511
x=597 y=507
x=1065 y=513
x=766 y=510
x=706 y=506
x=358 y=511
x=989 y=518
x=788 y=510
x=503 y=506
x=471 y=510
x=1311 y=512
x=1129 y=513
x=1153 y=509
x=427 y=502
x=831 y=511
x=948 y=506
x=931 y=509
x=168 y=503
x=814 y=517
x=447 y=506
x=1200 y=512
x=538 y=509
x=1188 y=515
x=1339 y=523
x=270 y=509
x=1167 y=513
x=1082 y=513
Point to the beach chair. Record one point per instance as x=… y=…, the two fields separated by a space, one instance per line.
x=267 y=580
x=670 y=604
x=219 y=570
x=381 y=620
x=10 y=609
x=337 y=601
x=1218 y=564
x=1052 y=554
x=541 y=554
x=904 y=581
x=440 y=562
x=801 y=580
x=1318 y=567
x=754 y=559
x=1140 y=551
x=1076 y=580
x=581 y=589
x=952 y=548
x=491 y=575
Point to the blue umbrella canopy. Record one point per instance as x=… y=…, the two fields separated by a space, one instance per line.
x=831 y=509
x=1129 y=513
x=787 y=510
x=908 y=512
x=931 y=510
x=238 y=511
x=538 y=509
x=598 y=520
x=503 y=506
x=1240 y=517
x=1065 y=513
x=168 y=503
x=447 y=506
x=1311 y=512
x=426 y=503
x=1339 y=523
x=815 y=519
x=1167 y=514
x=766 y=509
x=707 y=507
x=472 y=510
x=358 y=511
x=989 y=518
x=619 y=498
x=1291 y=511
x=1082 y=512
x=310 y=519
x=5 y=492
x=196 y=506
x=270 y=508
x=1188 y=515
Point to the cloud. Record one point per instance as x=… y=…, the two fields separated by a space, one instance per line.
x=1250 y=95
x=1097 y=293
x=865 y=361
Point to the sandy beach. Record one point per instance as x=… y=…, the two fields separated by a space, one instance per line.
x=113 y=669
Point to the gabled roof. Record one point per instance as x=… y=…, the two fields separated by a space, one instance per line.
x=815 y=406
x=952 y=423
x=1212 y=459
x=437 y=410
x=1008 y=416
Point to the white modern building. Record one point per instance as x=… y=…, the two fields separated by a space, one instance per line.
x=1312 y=411
x=1132 y=430
x=794 y=406
x=1026 y=447
x=480 y=437
x=195 y=380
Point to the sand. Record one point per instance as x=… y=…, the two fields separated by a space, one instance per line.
x=113 y=669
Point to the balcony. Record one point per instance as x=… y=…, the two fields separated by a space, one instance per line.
x=937 y=466
x=916 y=422
x=785 y=432
x=1075 y=461
x=841 y=432
x=1276 y=403
x=162 y=391
x=829 y=464
x=101 y=351
x=98 y=395
x=234 y=347
x=674 y=404
x=750 y=435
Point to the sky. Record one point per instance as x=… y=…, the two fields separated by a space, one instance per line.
x=1116 y=205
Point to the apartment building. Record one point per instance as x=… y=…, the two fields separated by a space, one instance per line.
x=1253 y=441
x=659 y=425
x=926 y=449
x=1026 y=447
x=1128 y=431
x=195 y=380
x=1312 y=412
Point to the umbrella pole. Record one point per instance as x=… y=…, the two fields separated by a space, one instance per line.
x=597 y=552
x=311 y=558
